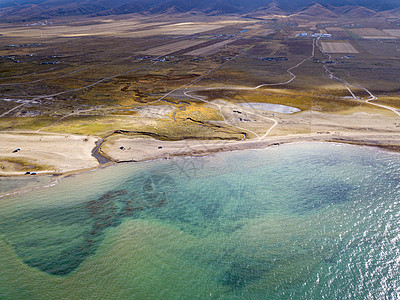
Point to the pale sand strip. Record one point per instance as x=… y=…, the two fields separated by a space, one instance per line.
x=334 y=47
x=143 y=149
x=57 y=152
x=72 y=153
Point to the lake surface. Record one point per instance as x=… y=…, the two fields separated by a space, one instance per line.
x=8 y=184
x=283 y=109
x=302 y=221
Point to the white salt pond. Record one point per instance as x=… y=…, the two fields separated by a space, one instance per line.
x=283 y=109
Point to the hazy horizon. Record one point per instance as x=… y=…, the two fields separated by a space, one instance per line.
x=242 y=5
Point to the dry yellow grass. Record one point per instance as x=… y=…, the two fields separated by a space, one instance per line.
x=122 y=28
x=254 y=26
x=370 y=33
x=210 y=50
x=257 y=32
x=198 y=112
x=188 y=28
x=108 y=28
x=169 y=48
x=329 y=29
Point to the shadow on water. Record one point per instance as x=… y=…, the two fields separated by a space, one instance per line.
x=206 y=208
x=60 y=253
x=317 y=196
x=244 y=271
x=61 y=250
x=199 y=210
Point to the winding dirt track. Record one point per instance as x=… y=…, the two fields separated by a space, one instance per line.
x=275 y=122
x=189 y=93
x=7 y=112
x=186 y=92
x=348 y=86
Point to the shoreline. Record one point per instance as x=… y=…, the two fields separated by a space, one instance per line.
x=45 y=153
x=233 y=146
x=147 y=149
x=139 y=149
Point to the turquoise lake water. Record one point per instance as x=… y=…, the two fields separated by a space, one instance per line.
x=301 y=221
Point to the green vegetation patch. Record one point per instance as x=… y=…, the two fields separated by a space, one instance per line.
x=352 y=34
x=22 y=164
x=25 y=123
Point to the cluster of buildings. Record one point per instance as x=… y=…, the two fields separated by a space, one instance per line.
x=314 y=35
x=21 y=46
x=50 y=62
x=40 y=23
x=273 y=58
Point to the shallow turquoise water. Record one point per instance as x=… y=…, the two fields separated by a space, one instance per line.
x=303 y=221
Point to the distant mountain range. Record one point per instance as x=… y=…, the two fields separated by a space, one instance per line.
x=322 y=11
x=45 y=9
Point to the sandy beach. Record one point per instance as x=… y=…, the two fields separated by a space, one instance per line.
x=45 y=153
x=121 y=149
x=60 y=154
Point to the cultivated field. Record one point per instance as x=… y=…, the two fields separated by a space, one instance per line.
x=173 y=47
x=187 y=28
x=338 y=32
x=257 y=32
x=393 y=32
x=209 y=50
x=122 y=28
x=102 y=28
x=370 y=33
x=330 y=29
x=338 y=47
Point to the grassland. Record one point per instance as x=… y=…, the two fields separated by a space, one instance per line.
x=173 y=47
x=184 y=79
x=209 y=50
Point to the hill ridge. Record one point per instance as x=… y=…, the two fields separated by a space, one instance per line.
x=44 y=9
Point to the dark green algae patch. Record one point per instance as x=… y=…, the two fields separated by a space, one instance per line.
x=154 y=197
x=95 y=216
